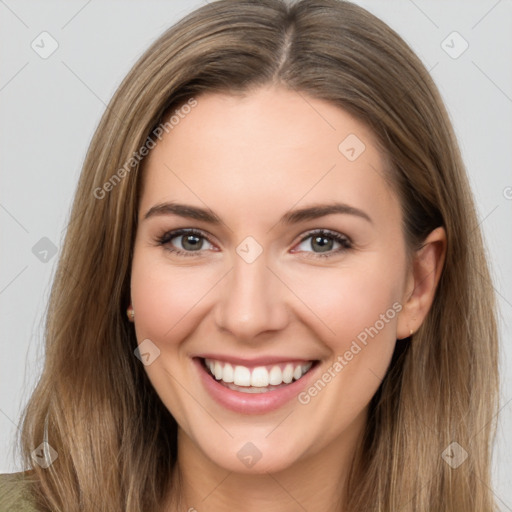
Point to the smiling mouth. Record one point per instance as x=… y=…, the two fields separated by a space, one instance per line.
x=260 y=379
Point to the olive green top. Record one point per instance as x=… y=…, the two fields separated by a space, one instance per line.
x=15 y=492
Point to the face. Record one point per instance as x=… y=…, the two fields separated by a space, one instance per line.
x=295 y=313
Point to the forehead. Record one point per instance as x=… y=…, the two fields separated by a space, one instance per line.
x=265 y=152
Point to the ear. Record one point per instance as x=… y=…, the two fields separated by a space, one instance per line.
x=421 y=283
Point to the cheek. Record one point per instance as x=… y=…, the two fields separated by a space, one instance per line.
x=360 y=307
x=164 y=296
x=166 y=300
x=351 y=301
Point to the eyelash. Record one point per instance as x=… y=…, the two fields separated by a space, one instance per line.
x=344 y=241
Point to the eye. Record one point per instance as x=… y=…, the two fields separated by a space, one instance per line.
x=190 y=241
x=324 y=241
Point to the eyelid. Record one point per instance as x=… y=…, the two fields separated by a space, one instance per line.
x=342 y=239
x=167 y=236
x=324 y=231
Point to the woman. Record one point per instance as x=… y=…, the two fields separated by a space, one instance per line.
x=279 y=298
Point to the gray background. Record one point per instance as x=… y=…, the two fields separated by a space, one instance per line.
x=51 y=106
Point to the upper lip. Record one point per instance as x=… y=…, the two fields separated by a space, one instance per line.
x=257 y=361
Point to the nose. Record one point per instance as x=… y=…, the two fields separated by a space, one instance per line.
x=253 y=301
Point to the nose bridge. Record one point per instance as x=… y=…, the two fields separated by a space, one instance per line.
x=253 y=299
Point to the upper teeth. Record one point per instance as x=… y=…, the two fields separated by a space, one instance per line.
x=260 y=376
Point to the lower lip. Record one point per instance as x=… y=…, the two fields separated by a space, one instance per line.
x=251 y=403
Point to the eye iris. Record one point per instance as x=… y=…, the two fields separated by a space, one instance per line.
x=325 y=243
x=187 y=239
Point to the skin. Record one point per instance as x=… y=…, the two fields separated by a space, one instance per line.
x=250 y=160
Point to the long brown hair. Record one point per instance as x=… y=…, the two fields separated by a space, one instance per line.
x=115 y=440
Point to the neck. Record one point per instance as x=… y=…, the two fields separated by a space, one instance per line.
x=314 y=482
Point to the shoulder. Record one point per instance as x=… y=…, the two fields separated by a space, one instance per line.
x=15 y=495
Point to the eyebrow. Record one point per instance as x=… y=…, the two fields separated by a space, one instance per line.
x=291 y=217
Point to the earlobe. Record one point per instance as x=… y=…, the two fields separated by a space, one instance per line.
x=130 y=313
x=424 y=276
